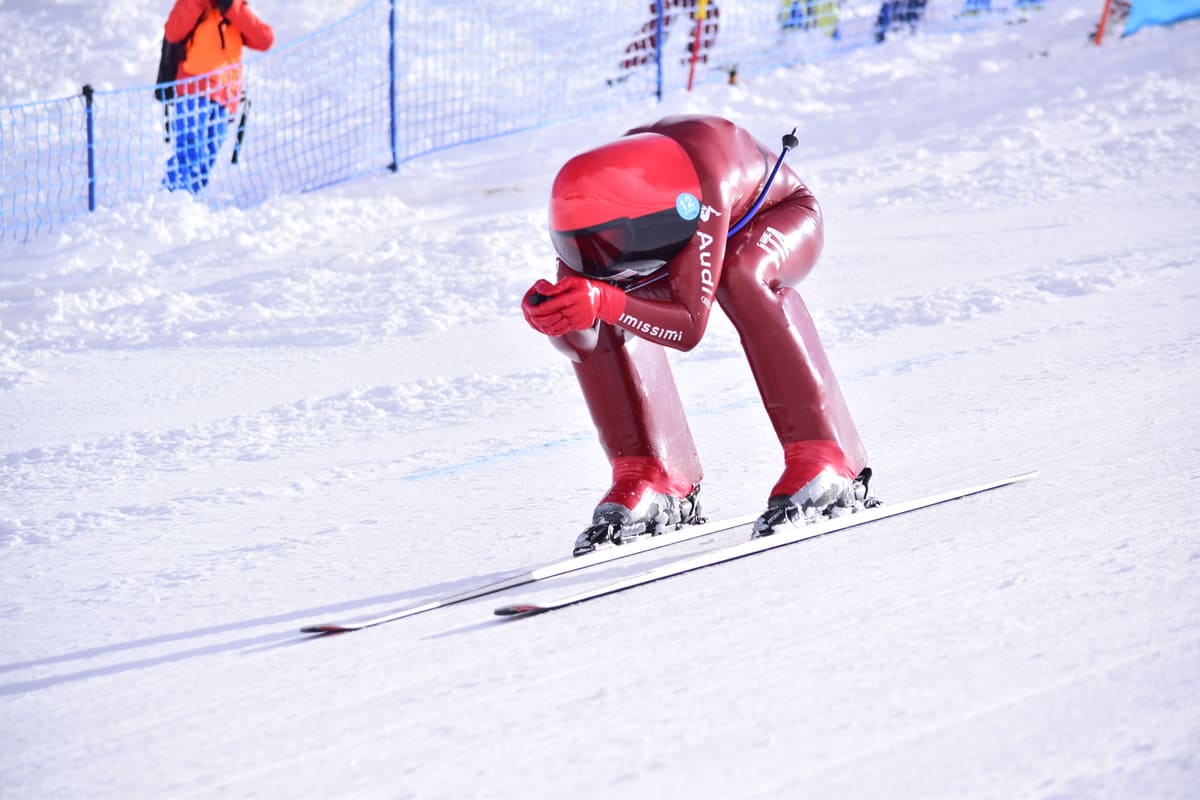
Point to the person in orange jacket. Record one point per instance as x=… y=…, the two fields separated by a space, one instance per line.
x=210 y=74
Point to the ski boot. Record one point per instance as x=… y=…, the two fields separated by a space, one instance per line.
x=652 y=513
x=827 y=495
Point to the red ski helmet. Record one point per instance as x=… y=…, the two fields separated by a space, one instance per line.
x=625 y=209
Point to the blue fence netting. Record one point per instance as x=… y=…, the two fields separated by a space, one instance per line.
x=398 y=79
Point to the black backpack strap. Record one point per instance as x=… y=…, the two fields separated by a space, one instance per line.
x=173 y=53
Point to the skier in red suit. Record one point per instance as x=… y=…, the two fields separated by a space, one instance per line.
x=642 y=231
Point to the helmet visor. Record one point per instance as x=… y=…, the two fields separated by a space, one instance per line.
x=593 y=251
x=614 y=249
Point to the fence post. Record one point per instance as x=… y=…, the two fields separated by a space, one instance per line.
x=91 y=145
x=392 y=79
x=658 y=45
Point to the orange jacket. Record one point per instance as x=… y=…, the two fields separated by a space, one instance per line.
x=215 y=47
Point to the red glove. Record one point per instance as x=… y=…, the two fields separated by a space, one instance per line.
x=572 y=304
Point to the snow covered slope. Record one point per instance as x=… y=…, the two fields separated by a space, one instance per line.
x=218 y=426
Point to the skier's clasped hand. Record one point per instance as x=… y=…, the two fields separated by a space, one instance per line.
x=572 y=304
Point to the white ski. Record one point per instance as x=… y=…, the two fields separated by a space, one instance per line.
x=550 y=570
x=780 y=538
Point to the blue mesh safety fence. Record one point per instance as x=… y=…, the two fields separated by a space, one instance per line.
x=43 y=166
x=398 y=79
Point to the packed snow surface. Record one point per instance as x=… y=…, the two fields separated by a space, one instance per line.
x=218 y=426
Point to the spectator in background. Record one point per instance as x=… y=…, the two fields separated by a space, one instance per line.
x=642 y=49
x=895 y=13
x=809 y=15
x=212 y=33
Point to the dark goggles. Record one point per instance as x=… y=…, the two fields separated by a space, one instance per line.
x=614 y=249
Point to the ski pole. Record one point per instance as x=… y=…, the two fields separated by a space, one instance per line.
x=241 y=129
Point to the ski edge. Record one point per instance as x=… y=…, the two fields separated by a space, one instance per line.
x=329 y=628
x=522 y=610
x=739 y=550
x=543 y=572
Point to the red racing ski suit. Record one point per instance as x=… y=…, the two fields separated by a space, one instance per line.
x=623 y=370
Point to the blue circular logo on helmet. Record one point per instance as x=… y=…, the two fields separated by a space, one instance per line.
x=687 y=205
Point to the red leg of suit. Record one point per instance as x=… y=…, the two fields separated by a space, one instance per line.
x=775 y=251
x=631 y=393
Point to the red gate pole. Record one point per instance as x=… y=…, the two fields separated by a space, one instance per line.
x=1103 y=21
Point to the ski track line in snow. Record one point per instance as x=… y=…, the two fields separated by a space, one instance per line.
x=789 y=787
x=422 y=406
x=966 y=302
x=287 y=622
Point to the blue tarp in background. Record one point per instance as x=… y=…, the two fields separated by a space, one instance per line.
x=1160 y=12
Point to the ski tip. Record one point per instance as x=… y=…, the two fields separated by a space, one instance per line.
x=519 y=610
x=329 y=628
